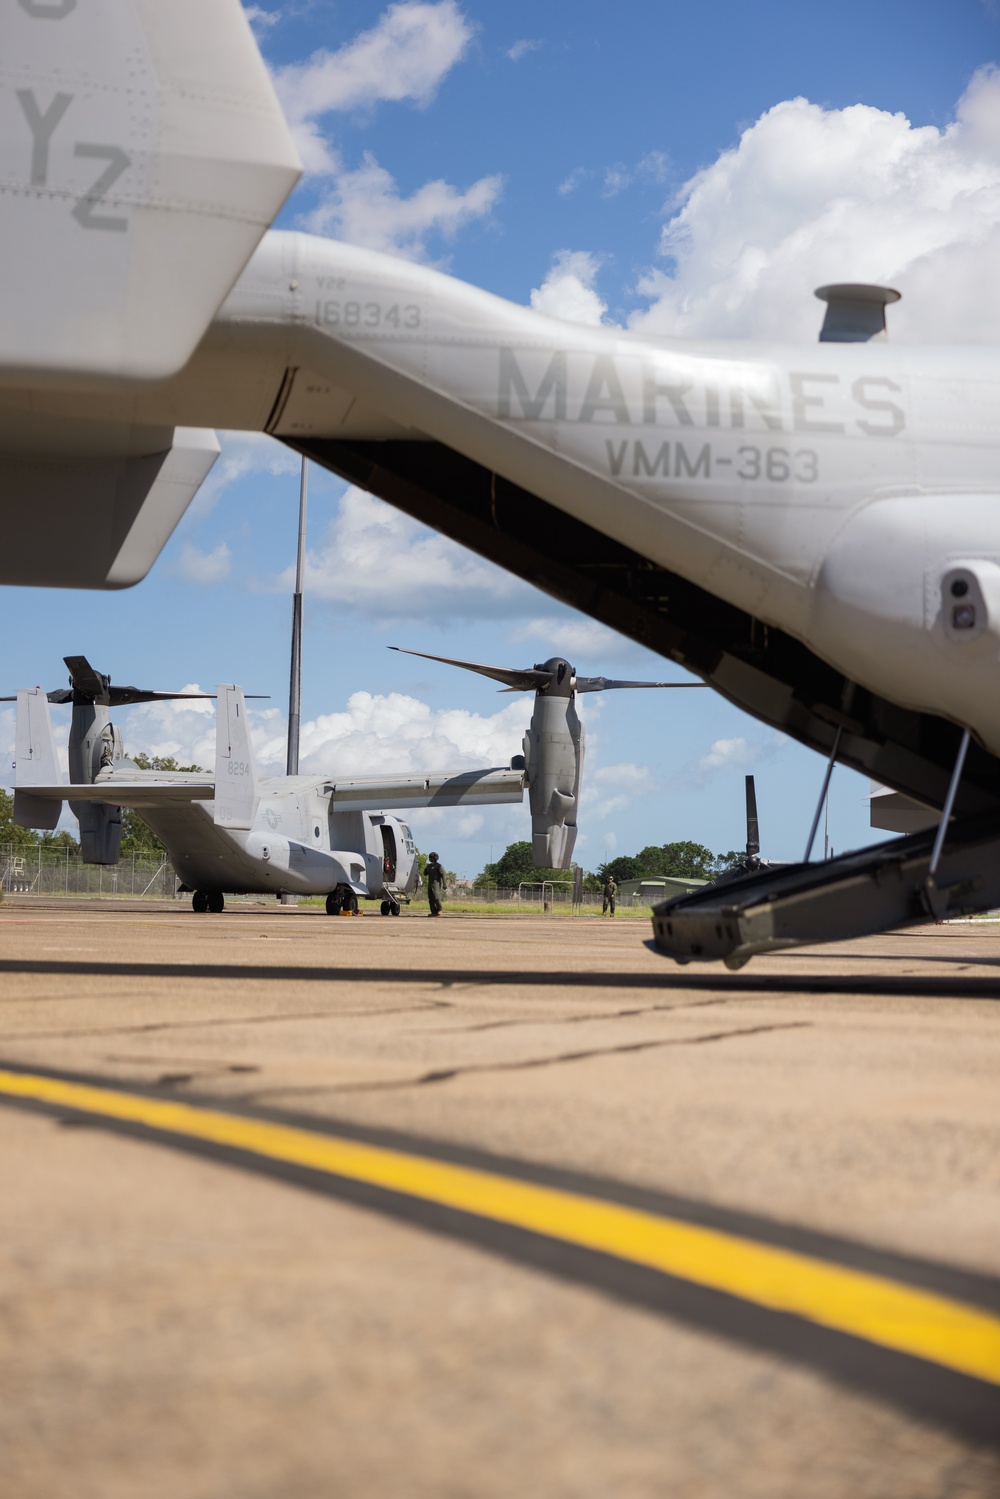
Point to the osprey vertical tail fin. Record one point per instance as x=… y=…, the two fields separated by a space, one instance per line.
x=236 y=790
x=35 y=762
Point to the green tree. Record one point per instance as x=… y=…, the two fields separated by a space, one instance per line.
x=728 y=860
x=514 y=867
x=691 y=861
x=137 y=838
x=625 y=867
x=163 y=762
x=684 y=860
x=61 y=842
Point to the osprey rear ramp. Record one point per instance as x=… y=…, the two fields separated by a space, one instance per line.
x=874 y=890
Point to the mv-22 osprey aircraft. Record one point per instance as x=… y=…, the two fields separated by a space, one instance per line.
x=233 y=831
x=813 y=530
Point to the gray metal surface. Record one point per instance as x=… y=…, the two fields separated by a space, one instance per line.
x=885 y=887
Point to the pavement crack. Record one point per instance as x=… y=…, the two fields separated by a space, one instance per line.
x=630 y=1014
x=184 y=1025
x=448 y=1074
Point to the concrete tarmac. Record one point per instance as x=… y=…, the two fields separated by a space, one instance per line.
x=172 y=1325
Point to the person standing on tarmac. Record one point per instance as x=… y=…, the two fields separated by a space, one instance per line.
x=434 y=876
x=610 y=892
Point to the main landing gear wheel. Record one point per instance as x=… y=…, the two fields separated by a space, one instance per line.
x=199 y=901
x=342 y=902
x=385 y=907
x=216 y=901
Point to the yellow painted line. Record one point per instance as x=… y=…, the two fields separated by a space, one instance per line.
x=921 y=1323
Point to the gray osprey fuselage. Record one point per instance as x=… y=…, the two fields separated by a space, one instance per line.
x=788 y=522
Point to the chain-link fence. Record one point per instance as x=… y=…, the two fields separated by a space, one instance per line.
x=57 y=871
x=538 y=896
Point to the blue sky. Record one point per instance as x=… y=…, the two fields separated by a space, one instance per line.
x=688 y=169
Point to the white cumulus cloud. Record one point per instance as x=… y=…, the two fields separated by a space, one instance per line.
x=651 y=168
x=737 y=753
x=378 y=561
x=522 y=48
x=568 y=291
x=404 y=57
x=378 y=734
x=243 y=453
x=260 y=18
x=185 y=730
x=365 y=207
x=725 y=753
x=205 y=567
x=813 y=195
x=583 y=640
x=572 y=182
x=611 y=788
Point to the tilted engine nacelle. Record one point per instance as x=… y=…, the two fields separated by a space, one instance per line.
x=553 y=755
x=553 y=745
x=94 y=743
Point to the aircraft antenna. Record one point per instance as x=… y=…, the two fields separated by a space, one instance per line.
x=295 y=679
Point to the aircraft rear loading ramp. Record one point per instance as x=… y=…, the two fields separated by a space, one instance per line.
x=854 y=895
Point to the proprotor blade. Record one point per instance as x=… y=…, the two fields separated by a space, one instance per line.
x=753 y=831
x=87 y=682
x=123 y=697
x=607 y=684
x=530 y=679
x=61 y=695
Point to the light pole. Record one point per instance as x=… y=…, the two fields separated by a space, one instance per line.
x=295 y=679
x=295 y=676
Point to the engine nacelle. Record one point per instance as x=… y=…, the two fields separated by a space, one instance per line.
x=94 y=744
x=919 y=616
x=553 y=754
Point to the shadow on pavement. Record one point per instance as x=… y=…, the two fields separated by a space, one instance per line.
x=905 y=985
